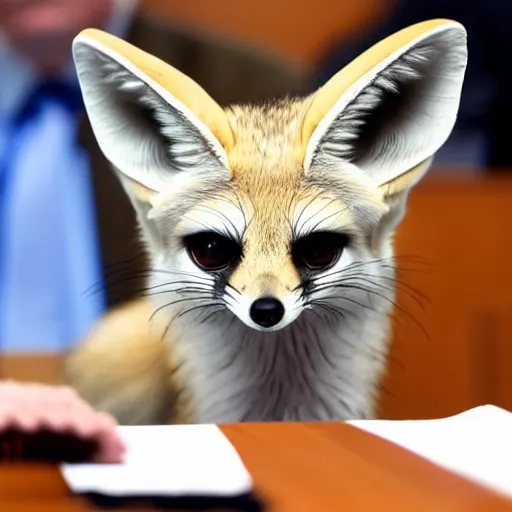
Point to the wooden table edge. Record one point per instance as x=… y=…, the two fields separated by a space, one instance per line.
x=299 y=467
x=414 y=480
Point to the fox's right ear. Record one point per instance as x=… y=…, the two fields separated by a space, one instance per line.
x=152 y=122
x=390 y=110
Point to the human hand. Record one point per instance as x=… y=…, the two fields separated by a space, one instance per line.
x=51 y=422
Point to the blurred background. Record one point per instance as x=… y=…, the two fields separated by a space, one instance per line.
x=68 y=249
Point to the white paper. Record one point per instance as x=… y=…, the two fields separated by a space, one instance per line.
x=476 y=444
x=190 y=460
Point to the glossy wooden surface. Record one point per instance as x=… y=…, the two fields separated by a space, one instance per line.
x=36 y=367
x=298 y=468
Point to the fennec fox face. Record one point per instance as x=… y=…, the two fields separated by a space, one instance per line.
x=273 y=242
x=271 y=212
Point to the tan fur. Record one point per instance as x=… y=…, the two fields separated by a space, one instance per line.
x=132 y=367
x=184 y=88
x=267 y=174
x=123 y=367
x=262 y=172
x=270 y=182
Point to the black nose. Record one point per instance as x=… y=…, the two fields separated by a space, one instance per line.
x=267 y=312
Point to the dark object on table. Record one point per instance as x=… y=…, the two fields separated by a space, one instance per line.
x=244 y=503
x=45 y=446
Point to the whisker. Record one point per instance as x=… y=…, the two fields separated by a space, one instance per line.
x=410 y=291
x=228 y=285
x=208 y=317
x=328 y=307
x=229 y=294
x=315 y=227
x=175 y=302
x=308 y=204
x=351 y=300
x=189 y=310
x=396 y=306
x=312 y=229
x=137 y=274
x=235 y=234
x=182 y=291
x=206 y=226
x=398 y=284
x=200 y=306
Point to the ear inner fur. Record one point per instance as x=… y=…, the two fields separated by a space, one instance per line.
x=351 y=81
x=142 y=193
x=325 y=98
x=183 y=88
x=405 y=181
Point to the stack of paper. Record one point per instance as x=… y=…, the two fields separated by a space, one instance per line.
x=476 y=444
x=166 y=461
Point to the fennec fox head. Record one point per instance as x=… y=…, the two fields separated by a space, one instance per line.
x=266 y=211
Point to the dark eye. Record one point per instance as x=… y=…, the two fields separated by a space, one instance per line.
x=318 y=251
x=211 y=251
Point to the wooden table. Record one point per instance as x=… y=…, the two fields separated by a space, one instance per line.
x=297 y=468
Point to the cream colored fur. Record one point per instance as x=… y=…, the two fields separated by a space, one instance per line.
x=341 y=160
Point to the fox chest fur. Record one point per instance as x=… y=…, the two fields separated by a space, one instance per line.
x=269 y=229
x=315 y=369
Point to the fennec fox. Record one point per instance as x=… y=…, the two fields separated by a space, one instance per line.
x=269 y=228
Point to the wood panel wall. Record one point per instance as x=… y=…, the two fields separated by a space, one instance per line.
x=452 y=346
x=297 y=29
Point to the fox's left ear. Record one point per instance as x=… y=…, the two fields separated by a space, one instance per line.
x=391 y=109
x=157 y=126
x=152 y=122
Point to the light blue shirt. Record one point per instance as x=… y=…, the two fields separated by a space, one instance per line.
x=49 y=254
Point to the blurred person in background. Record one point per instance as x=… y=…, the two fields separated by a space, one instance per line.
x=49 y=254
x=481 y=138
x=66 y=225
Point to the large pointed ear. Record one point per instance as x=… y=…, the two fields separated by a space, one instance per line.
x=152 y=122
x=391 y=109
